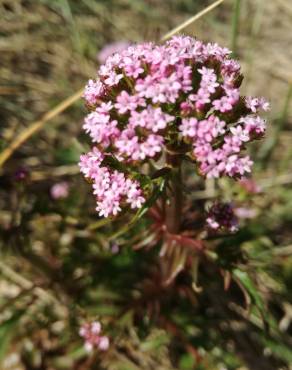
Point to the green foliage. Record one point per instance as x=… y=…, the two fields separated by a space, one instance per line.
x=7 y=330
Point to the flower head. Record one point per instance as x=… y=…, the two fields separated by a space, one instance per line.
x=182 y=95
x=91 y=332
x=221 y=216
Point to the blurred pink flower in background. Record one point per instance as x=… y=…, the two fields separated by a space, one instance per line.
x=91 y=334
x=250 y=185
x=60 y=190
x=115 y=248
x=110 y=49
x=245 y=213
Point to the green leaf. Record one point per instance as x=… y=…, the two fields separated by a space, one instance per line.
x=186 y=362
x=155 y=343
x=279 y=349
x=251 y=289
x=112 y=161
x=69 y=155
x=157 y=192
x=7 y=331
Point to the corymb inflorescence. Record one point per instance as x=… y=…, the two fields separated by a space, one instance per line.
x=182 y=96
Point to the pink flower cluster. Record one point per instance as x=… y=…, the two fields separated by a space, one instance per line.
x=91 y=334
x=147 y=99
x=110 y=187
x=221 y=216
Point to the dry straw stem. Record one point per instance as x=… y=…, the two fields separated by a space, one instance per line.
x=235 y=26
x=60 y=171
x=26 y=284
x=37 y=125
x=191 y=20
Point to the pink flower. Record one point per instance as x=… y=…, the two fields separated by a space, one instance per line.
x=232 y=144
x=216 y=51
x=126 y=102
x=93 y=91
x=256 y=104
x=230 y=67
x=132 y=67
x=263 y=104
x=113 y=78
x=232 y=95
x=90 y=163
x=154 y=119
x=223 y=105
x=240 y=133
x=60 y=190
x=254 y=125
x=103 y=343
x=202 y=151
x=188 y=127
x=111 y=188
x=237 y=166
x=208 y=81
x=152 y=146
x=90 y=332
x=100 y=128
x=186 y=108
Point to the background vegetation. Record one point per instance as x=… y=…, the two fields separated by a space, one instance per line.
x=60 y=264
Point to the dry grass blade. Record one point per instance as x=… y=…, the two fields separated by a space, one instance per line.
x=235 y=26
x=286 y=5
x=37 y=125
x=55 y=172
x=25 y=283
x=191 y=20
